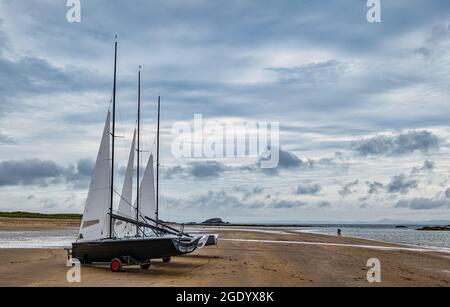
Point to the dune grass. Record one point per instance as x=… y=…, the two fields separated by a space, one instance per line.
x=31 y=215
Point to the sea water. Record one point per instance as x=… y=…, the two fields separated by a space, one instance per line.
x=389 y=233
x=54 y=238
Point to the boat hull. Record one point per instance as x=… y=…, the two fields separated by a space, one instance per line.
x=212 y=240
x=140 y=250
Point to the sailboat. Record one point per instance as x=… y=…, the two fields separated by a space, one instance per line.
x=123 y=238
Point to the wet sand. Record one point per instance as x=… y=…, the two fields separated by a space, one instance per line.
x=241 y=263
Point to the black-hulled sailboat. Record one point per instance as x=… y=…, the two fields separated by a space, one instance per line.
x=126 y=237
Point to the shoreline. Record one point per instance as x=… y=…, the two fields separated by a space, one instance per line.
x=41 y=224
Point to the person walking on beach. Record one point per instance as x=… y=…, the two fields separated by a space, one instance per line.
x=339 y=232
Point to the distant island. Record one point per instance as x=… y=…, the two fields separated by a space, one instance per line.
x=215 y=221
x=435 y=228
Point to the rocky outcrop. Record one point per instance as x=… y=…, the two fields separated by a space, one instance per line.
x=435 y=228
x=214 y=221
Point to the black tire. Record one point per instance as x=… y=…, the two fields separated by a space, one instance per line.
x=166 y=259
x=146 y=266
x=116 y=265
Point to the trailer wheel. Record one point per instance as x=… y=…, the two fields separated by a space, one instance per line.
x=166 y=259
x=146 y=266
x=116 y=265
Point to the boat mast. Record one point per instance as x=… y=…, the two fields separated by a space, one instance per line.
x=157 y=161
x=113 y=137
x=138 y=148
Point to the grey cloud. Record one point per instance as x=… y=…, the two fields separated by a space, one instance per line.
x=323 y=204
x=428 y=166
x=198 y=170
x=31 y=76
x=401 y=184
x=447 y=193
x=374 y=187
x=222 y=200
x=287 y=160
x=42 y=173
x=173 y=171
x=286 y=204
x=400 y=144
x=79 y=175
x=29 y=172
x=206 y=169
x=308 y=189
x=248 y=193
x=347 y=189
x=311 y=73
x=4 y=139
x=85 y=167
x=435 y=45
x=423 y=204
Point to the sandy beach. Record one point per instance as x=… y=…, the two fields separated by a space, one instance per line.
x=242 y=258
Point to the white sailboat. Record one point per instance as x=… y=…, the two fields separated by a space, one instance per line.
x=98 y=239
x=95 y=220
x=121 y=228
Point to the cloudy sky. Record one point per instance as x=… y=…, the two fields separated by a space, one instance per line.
x=363 y=108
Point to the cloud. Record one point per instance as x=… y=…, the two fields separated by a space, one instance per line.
x=287 y=161
x=173 y=171
x=249 y=193
x=79 y=175
x=428 y=166
x=374 y=187
x=223 y=200
x=206 y=169
x=286 y=204
x=400 y=144
x=198 y=170
x=447 y=193
x=437 y=43
x=346 y=190
x=29 y=172
x=28 y=76
x=6 y=140
x=42 y=173
x=423 y=204
x=400 y=184
x=323 y=204
x=311 y=72
x=308 y=189
x=85 y=167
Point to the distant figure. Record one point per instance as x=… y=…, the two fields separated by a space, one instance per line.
x=339 y=232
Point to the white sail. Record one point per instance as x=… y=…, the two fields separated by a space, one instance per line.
x=121 y=228
x=147 y=199
x=95 y=222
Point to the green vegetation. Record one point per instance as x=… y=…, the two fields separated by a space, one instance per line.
x=29 y=215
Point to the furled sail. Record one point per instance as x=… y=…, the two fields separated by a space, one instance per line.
x=125 y=209
x=95 y=222
x=147 y=199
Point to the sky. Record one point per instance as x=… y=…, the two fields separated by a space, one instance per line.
x=363 y=107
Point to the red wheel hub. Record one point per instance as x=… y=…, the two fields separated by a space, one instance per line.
x=115 y=265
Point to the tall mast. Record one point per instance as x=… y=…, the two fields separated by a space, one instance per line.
x=157 y=161
x=113 y=139
x=138 y=147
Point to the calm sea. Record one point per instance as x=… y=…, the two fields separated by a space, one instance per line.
x=389 y=233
